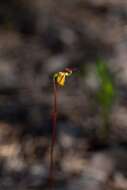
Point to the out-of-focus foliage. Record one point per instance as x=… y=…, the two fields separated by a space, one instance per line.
x=106 y=93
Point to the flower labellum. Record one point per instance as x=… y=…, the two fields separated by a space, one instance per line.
x=60 y=77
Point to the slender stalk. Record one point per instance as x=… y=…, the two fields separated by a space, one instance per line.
x=53 y=140
x=58 y=79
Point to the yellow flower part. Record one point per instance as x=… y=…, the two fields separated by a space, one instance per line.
x=61 y=77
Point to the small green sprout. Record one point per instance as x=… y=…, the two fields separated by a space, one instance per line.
x=105 y=95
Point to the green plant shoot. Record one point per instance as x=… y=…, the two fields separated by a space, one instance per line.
x=105 y=95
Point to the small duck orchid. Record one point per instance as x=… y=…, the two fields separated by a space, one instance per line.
x=60 y=77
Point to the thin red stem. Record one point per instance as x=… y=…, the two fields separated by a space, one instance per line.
x=53 y=140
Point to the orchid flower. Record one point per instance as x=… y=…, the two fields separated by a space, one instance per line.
x=59 y=79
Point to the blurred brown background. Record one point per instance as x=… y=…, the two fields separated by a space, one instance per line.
x=37 y=39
